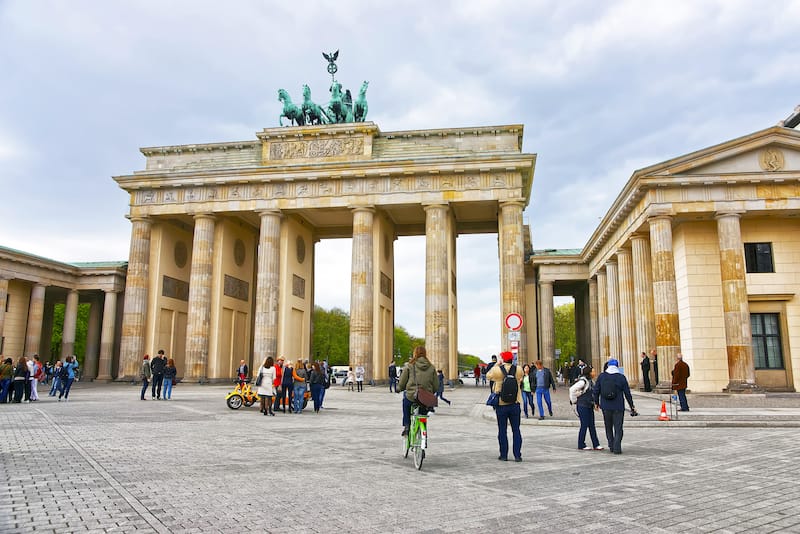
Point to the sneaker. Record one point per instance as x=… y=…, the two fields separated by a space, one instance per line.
x=502 y=459
x=598 y=448
x=519 y=459
x=584 y=448
x=405 y=431
x=551 y=413
x=541 y=418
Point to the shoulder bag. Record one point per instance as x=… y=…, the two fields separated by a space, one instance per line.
x=423 y=396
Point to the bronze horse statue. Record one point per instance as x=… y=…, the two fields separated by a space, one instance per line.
x=360 y=107
x=313 y=113
x=290 y=111
x=339 y=109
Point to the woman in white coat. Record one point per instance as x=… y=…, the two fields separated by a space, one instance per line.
x=266 y=389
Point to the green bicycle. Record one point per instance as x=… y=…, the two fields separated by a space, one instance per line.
x=417 y=438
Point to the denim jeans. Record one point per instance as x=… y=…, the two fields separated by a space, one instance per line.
x=55 y=387
x=682 y=399
x=543 y=392
x=167 y=388
x=316 y=395
x=527 y=400
x=65 y=388
x=156 y=389
x=509 y=413
x=5 y=386
x=586 y=415
x=144 y=386
x=299 y=392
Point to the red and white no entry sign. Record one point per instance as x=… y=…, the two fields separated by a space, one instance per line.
x=513 y=321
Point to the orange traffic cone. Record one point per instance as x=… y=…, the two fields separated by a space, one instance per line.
x=663 y=416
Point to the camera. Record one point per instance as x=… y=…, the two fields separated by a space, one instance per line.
x=634 y=413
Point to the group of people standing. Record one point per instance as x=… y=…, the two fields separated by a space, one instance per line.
x=19 y=382
x=280 y=384
x=160 y=374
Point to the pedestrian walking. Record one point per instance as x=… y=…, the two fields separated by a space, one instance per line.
x=55 y=387
x=360 y=377
x=581 y=396
x=527 y=392
x=71 y=366
x=392 y=377
x=317 y=383
x=265 y=382
x=508 y=411
x=680 y=375
x=170 y=376
x=543 y=379
x=645 y=364
x=144 y=374
x=611 y=391
x=350 y=380
x=440 y=389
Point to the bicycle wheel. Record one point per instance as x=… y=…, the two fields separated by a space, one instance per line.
x=419 y=452
x=235 y=402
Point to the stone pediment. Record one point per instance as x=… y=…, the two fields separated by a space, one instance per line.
x=775 y=150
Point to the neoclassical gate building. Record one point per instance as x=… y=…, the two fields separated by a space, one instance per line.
x=221 y=263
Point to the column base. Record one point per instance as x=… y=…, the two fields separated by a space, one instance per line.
x=663 y=388
x=735 y=386
x=104 y=379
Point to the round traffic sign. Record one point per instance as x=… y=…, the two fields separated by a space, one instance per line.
x=513 y=321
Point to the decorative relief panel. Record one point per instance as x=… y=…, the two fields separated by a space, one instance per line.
x=181 y=254
x=238 y=252
x=771 y=159
x=300 y=244
x=316 y=148
x=386 y=286
x=235 y=288
x=175 y=289
x=298 y=286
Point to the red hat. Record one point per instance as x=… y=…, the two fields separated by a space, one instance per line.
x=507 y=356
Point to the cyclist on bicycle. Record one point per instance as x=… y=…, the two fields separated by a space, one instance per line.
x=419 y=372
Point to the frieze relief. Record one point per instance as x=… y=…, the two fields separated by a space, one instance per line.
x=332 y=187
x=316 y=148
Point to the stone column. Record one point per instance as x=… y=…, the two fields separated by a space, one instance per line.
x=107 y=336
x=665 y=298
x=92 y=337
x=3 y=300
x=70 y=323
x=614 y=332
x=547 y=327
x=134 y=312
x=362 y=291
x=627 y=321
x=602 y=315
x=738 y=336
x=512 y=266
x=35 y=315
x=643 y=289
x=593 y=325
x=200 y=280
x=437 y=334
x=265 y=342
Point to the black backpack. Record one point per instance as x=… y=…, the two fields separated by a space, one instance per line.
x=63 y=372
x=509 y=388
x=608 y=389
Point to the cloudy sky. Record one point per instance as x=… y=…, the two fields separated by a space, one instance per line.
x=603 y=88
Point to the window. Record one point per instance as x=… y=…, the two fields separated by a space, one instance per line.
x=767 y=351
x=758 y=257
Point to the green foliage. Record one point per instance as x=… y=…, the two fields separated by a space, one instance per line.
x=331 y=337
x=81 y=329
x=467 y=362
x=564 y=322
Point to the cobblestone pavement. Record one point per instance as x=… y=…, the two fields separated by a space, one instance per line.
x=108 y=462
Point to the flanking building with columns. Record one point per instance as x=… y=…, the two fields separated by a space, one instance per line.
x=30 y=289
x=699 y=255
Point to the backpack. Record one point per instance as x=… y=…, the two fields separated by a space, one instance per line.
x=608 y=389
x=509 y=388
x=63 y=372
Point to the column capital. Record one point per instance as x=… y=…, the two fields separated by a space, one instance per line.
x=545 y=282
x=728 y=213
x=660 y=216
x=139 y=218
x=611 y=261
x=623 y=251
x=639 y=236
x=430 y=205
x=356 y=209
x=512 y=203
x=262 y=213
x=204 y=215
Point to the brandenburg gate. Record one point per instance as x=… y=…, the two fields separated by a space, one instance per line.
x=221 y=261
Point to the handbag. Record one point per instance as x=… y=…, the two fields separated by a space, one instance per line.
x=423 y=396
x=493 y=400
x=259 y=379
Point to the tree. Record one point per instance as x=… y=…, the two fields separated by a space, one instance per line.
x=564 y=323
x=57 y=336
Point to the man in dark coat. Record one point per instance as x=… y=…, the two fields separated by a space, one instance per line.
x=680 y=375
x=157 y=367
x=646 y=372
x=608 y=392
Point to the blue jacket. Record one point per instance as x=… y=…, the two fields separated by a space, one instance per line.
x=71 y=367
x=616 y=381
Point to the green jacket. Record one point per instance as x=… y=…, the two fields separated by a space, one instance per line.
x=425 y=378
x=6 y=371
